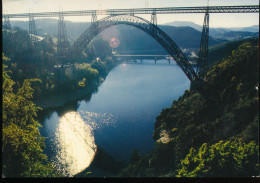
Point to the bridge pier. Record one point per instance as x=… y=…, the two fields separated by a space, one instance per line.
x=32 y=30
x=7 y=24
x=141 y=61
x=154 y=18
x=93 y=17
x=155 y=60
x=203 y=51
x=169 y=61
x=62 y=40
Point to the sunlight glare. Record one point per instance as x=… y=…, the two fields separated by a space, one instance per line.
x=76 y=144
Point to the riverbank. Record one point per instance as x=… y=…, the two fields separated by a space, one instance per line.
x=226 y=110
x=102 y=164
x=59 y=100
x=122 y=112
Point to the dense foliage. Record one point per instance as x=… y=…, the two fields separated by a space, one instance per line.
x=223 y=159
x=39 y=61
x=22 y=144
x=226 y=108
x=222 y=51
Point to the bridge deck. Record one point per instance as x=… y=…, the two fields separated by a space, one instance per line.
x=170 y=10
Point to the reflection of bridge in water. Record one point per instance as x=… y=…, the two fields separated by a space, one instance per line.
x=66 y=54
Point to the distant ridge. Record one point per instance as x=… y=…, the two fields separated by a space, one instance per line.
x=185 y=24
x=254 y=28
x=185 y=34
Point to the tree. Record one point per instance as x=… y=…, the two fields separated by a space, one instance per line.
x=22 y=144
x=223 y=159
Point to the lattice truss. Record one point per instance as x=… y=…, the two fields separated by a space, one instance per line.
x=62 y=46
x=146 y=26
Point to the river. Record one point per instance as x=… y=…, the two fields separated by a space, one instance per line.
x=119 y=117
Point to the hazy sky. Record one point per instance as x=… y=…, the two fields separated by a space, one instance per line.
x=216 y=20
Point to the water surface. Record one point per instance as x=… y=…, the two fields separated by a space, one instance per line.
x=120 y=117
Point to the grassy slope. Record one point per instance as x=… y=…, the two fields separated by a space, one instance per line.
x=228 y=108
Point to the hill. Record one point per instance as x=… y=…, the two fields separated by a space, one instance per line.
x=185 y=24
x=231 y=33
x=130 y=38
x=222 y=50
x=50 y=26
x=213 y=132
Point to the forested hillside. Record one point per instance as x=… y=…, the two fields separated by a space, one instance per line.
x=29 y=75
x=40 y=61
x=223 y=50
x=22 y=144
x=213 y=132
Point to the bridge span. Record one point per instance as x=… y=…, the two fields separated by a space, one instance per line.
x=134 y=58
x=142 y=57
x=128 y=17
x=168 y=10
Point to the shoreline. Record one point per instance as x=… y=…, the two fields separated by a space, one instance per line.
x=60 y=100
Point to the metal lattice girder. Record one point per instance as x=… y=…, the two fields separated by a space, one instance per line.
x=62 y=46
x=32 y=31
x=169 y=10
x=140 y=23
x=203 y=51
x=7 y=24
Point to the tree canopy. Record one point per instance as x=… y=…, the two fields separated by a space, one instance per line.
x=233 y=158
x=22 y=144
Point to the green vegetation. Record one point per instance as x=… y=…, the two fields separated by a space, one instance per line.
x=22 y=144
x=39 y=61
x=225 y=109
x=221 y=121
x=223 y=159
x=222 y=51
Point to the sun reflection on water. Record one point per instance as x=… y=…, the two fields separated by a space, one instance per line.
x=98 y=120
x=75 y=143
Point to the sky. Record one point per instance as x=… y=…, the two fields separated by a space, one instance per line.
x=216 y=20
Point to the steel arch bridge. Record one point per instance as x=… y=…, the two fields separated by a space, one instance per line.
x=153 y=30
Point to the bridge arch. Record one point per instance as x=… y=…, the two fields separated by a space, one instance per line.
x=161 y=37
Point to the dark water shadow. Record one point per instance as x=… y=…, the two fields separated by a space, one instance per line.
x=103 y=165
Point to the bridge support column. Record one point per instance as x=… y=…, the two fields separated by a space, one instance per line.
x=203 y=51
x=169 y=61
x=7 y=24
x=155 y=60
x=32 y=31
x=154 y=18
x=94 y=20
x=62 y=40
x=154 y=22
x=93 y=17
x=141 y=61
